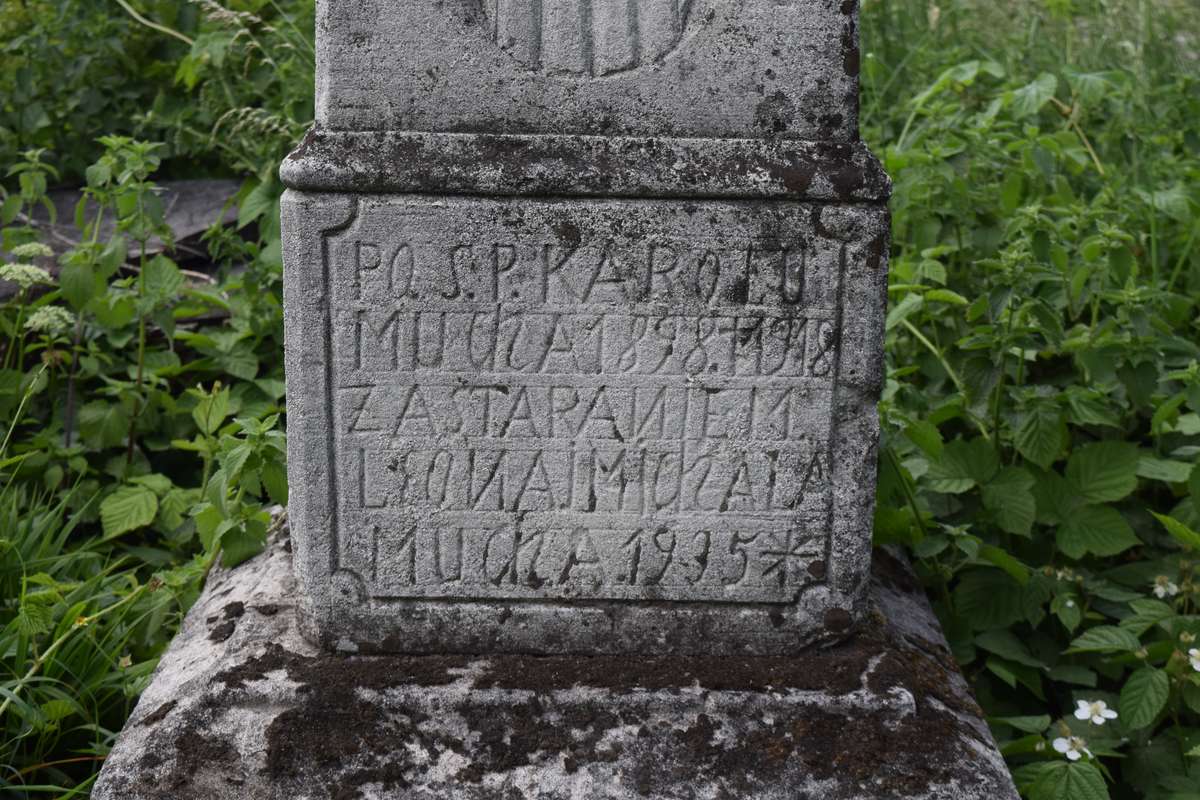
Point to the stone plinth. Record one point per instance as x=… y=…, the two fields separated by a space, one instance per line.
x=242 y=707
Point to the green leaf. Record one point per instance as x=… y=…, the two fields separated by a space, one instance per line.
x=1079 y=676
x=1105 y=639
x=34 y=616
x=159 y=484
x=240 y=363
x=1098 y=530
x=1163 y=469
x=1194 y=488
x=209 y=522
x=1009 y=496
x=1069 y=780
x=235 y=459
x=113 y=255
x=240 y=543
x=1143 y=697
x=9 y=209
x=171 y=509
x=926 y=436
x=1180 y=532
x=257 y=203
x=162 y=279
x=1013 y=673
x=127 y=509
x=1024 y=724
x=274 y=478
x=1029 y=99
x=1146 y=614
x=1104 y=472
x=910 y=304
x=1042 y=435
x=1006 y=562
x=1005 y=644
x=1191 y=698
x=946 y=296
x=98 y=174
x=1066 y=608
x=78 y=282
x=1056 y=499
x=988 y=598
x=963 y=466
x=104 y=423
x=211 y=410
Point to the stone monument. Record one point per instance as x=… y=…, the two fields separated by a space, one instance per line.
x=584 y=305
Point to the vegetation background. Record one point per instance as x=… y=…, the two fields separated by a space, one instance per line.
x=1042 y=410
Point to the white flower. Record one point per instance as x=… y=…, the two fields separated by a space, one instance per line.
x=32 y=250
x=1163 y=587
x=52 y=320
x=1194 y=657
x=1097 y=711
x=1070 y=604
x=1073 y=748
x=24 y=275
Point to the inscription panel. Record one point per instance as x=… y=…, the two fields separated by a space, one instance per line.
x=623 y=401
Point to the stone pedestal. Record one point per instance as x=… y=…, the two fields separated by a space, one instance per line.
x=244 y=708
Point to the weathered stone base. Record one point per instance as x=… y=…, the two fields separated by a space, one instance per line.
x=243 y=707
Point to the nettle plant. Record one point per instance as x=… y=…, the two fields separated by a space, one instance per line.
x=1042 y=413
x=118 y=351
x=139 y=409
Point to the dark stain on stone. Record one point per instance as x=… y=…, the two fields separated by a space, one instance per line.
x=847 y=178
x=893 y=573
x=837 y=671
x=838 y=620
x=817 y=569
x=159 y=714
x=234 y=610
x=852 y=59
x=269 y=609
x=337 y=729
x=366 y=672
x=817 y=744
x=739 y=292
x=875 y=252
x=581 y=166
x=223 y=631
x=300 y=152
x=195 y=751
x=568 y=233
x=775 y=113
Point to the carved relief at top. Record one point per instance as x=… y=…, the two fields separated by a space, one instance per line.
x=586 y=38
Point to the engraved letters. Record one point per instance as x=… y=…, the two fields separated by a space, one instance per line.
x=641 y=415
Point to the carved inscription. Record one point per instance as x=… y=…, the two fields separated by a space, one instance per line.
x=582 y=410
x=586 y=37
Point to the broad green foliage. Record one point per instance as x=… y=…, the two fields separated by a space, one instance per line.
x=139 y=403
x=1042 y=413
